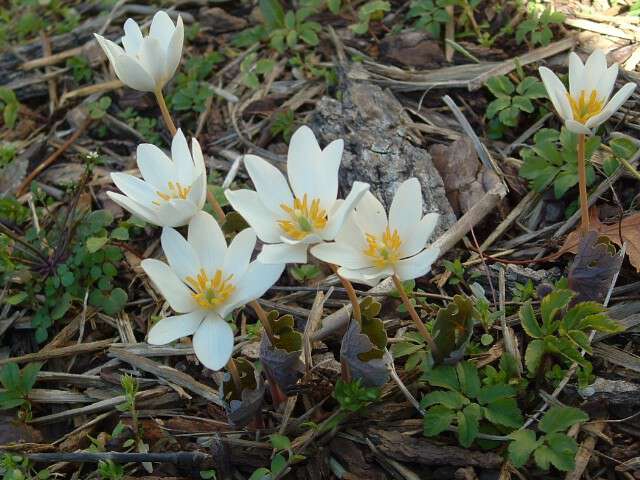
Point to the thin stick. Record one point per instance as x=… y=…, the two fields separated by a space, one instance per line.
x=351 y=293
x=414 y=315
x=582 y=184
x=166 y=116
x=217 y=209
x=235 y=376
x=264 y=320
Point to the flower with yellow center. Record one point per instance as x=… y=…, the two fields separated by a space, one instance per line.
x=586 y=105
x=290 y=216
x=371 y=247
x=204 y=281
x=172 y=190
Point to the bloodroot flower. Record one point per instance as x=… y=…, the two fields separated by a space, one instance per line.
x=203 y=282
x=289 y=222
x=146 y=63
x=371 y=247
x=587 y=105
x=173 y=190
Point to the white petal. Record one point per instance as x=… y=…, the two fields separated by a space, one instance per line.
x=136 y=209
x=594 y=68
x=607 y=82
x=370 y=215
x=176 y=212
x=351 y=234
x=557 y=93
x=576 y=74
x=110 y=49
x=418 y=235
x=236 y=261
x=248 y=204
x=327 y=171
x=259 y=278
x=270 y=184
x=337 y=218
x=155 y=167
x=172 y=328
x=182 y=158
x=278 y=253
x=310 y=239
x=418 y=265
x=180 y=254
x=619 y=98
x=133 y=74
x=151 y=58
x=341 y=255
x=169 y=285
x=576 y=127
x=207 y=239
x=132 y=40
x=303 y=163
x=162 y=28
x=198 y=193
x=406 y=208
x=198 y=158
x=213 y=342
x=133 y=187
x=173 y=52
x=368 y=276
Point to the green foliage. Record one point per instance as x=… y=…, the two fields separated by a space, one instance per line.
x=286 y=29
x=283 y=124
x=308 y=65
x=302 y=273
x=430 y=15
x=80 y=69
x=15 y=467
x=412 y=346
x=373 y=10
x=9 y=105
x=535 y=30
x=453 y=329
x=622 y=149
x=17 y=384
x=146 y=126
x=353 y=397
x=554 y=447
x=191 y=90
x=563 y=331
x=524 y=291
x=98 y=109
x=252 y=68
x=466 y=403
x=553 y=159
x=281 y=444
x=511 y=100
x=7 y=153
x=109 y=470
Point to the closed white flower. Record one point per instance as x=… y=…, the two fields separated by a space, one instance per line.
x=172 y=190
x=371 y=247
x=146 y=63
x=203 y=282
x=586 y=105
x=289 y=222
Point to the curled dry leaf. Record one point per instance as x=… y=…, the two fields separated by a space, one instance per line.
x=452 y=330
x=362 y=349
x=242 y=407
x=282 y=362
x=594 y=268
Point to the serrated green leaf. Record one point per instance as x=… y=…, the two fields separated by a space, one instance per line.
x=523 y=444
x=523 y=103
x=96 y=243
x=529 y=321
x=272 y=12
x=10 y=376
x=623 y=147
x=436 y=420
x=280 y=442
x=468 y=424
x=504 y=412
x=559 y=419
x=500 y=86
x=491 y=393
x=450 y=399
x=278 y=464
x=442 y=376
x=29 y=375
x=468 y=378
x=552 y=303
x=533 y=355
x=497 y=105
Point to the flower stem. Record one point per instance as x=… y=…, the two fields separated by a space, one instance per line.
x=217 y=209
x=264 y=320
x=235 y=376
x=582 y=184
x=166 y=116
x=422 y=328
x=351 y=293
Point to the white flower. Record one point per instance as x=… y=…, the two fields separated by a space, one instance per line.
x=203 y=282
x=290 y=222
x=173 y=190
x=369 y=247
x=146 y=63
x=587 y=104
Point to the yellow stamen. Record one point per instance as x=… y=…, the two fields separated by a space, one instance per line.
x=175 y=190
x=304 y=219
x=584 y=108
x=210 y=292
x=384 y=250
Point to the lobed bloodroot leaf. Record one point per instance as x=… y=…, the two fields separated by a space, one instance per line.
x=452 y=330
x=243 y=406
x=594 y=268
x=281 y=362
x=362 y=349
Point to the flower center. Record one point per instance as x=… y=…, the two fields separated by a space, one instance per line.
x=304 y=219
x=584 y=107
x=385 y=249
x=174 y=190
x=210 y=292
